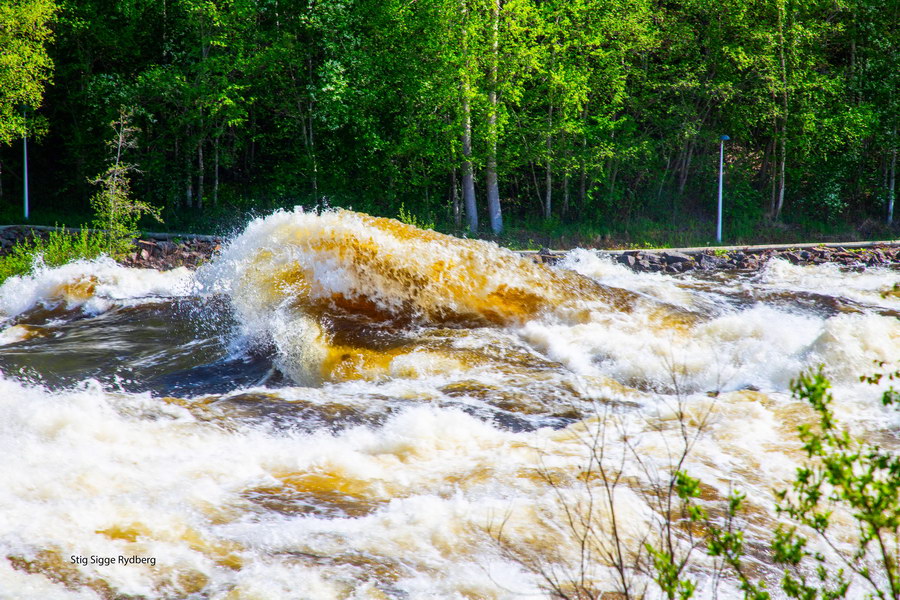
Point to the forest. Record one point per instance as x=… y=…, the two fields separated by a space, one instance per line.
x=469 y=115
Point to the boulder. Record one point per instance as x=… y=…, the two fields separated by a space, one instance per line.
x=627 y=259
x=675 y=257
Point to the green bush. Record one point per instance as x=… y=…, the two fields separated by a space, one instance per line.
x=847 y=473
x=410 y=218
x=116 y=212
x=843 y=473
x=59 y=248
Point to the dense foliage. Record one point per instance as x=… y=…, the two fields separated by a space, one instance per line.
x=552 y=110
x=24 y=62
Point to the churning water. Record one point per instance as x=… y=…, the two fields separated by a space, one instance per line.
x=340 y=406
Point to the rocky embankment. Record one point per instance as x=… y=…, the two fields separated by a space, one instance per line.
x=161 y=252
x=745 y=259
x=167 y=252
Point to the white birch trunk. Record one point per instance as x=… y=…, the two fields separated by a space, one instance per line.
x=493 y=191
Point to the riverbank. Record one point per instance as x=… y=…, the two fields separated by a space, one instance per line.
x=855 y=255
x=163 y=251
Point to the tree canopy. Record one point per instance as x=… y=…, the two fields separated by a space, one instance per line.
x=25 y=65
x=468 y=111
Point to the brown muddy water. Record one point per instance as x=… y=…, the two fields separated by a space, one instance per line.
x=339 y=406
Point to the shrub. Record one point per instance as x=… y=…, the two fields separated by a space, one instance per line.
x=845 y=474
x=116 y=211
x=854 y=477
x=58 y=248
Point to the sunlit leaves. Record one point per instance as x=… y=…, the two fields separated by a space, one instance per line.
x=25 y=66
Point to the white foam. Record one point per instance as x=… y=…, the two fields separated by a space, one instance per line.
x=661 y=286
x=87 y=461
x=724 y=348
x=872 y=286
x=436 y=483
x=92 y=285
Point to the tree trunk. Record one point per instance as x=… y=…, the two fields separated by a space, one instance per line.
x=767 y=157
x=215 y=198
x=252 y=141
x=468 y=176
x=188 y=176
x=662 y=180
x=189 y=187
x=200 y=175
x=686 y=167
x=782 y=161
x=614 y=168
x=548 y=186
x=548 y=183
x=312 y=139
x=784 y=116
x=773 y=195
x=493 y=191
x=454 y=199
x=537 y=187
x=892 y=188
x=566 y=176
x=582 y=191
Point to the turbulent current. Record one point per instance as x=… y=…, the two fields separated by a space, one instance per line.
x=340 y=406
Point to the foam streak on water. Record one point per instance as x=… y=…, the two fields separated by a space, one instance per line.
x=341 y=406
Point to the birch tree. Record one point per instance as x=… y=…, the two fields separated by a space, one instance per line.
x=25 y=66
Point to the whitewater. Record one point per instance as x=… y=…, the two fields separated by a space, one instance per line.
x=344 y=406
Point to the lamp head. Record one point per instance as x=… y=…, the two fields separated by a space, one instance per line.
x=724 y=138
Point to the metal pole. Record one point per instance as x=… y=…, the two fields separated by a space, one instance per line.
x=25 y=151
x=721 y=169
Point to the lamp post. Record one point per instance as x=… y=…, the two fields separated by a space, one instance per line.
x=25 y=154
x=722 y=141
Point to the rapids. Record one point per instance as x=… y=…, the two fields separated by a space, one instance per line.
x=342 y=406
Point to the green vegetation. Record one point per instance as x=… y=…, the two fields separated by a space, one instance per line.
x=844 y=479
x=116 y=211
x=116 y=215
x=404 y=216
x=843 y=474
x=558 y=121
x=58 y=248
x=25 y=64
x=852 y=475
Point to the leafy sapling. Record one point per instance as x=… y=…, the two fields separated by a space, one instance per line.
x=845 y=473
x=116 y=212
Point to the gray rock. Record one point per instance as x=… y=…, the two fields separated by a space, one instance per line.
x=709 y=261
x=676 y=257
x=627 y=259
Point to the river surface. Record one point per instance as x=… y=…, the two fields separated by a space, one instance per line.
x=339 y=406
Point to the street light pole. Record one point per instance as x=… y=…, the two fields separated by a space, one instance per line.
x=722 y=141
x=25 y=152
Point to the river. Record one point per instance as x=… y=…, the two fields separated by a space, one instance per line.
x=339 y=406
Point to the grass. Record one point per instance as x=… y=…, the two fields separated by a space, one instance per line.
x=689 y=232
x=57 y=248
x=533 y=233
